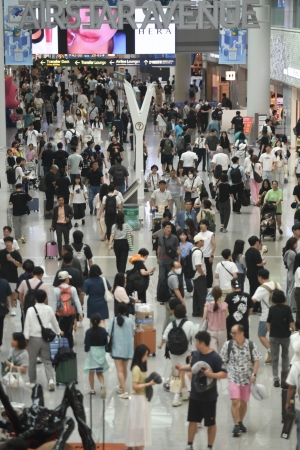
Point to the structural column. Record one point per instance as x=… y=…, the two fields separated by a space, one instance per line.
x=258 y=88
x=2 y=82
x=182 y=76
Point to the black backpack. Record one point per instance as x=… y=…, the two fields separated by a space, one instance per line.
x=11 y=176
x=74 y=139
x=218 y=171
x=136 y=281
x=29 y=299
x=177 y=340
x=111 y=205
x=164 y=293
x=236 y=176
x=118 y=177
x=187 y=264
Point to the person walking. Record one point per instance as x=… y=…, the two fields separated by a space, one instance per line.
x=94 y=345
x=111 y=204
x=138 y=262
x=199 y=279
x=211 y=143
x=254 y=262
x=94 y=179
x=168 y=249
x=238 y=258
x=280 y=321
x=240 y=307
x=185 y=248
x=275 y=196
x=82 y=252
x=293 y=380
x=225 y=191
x=268 y=162
x=238 y=180
x=296 y=271
x=182 y=216
x=215 y=313
x=208 y=250
x=61 y=222
x=254 y=167
x=192 y=186
x=37 y=346
x=10 y=260
x=78 y=199
x=66 y=313
x=121 y=331
x=280 y=162
x=118 y=175
x=225 y=272
x=203 y=405
x=50 y=178
x=289 y=255
x=62 y=186
x=74 y=163
x=94 y=288
x=174 y=187
x=19 y=200
x=241 y=358
x=122 y=237
x=263 y=294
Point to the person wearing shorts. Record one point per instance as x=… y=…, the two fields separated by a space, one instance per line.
x=203 y=405
x=241 y=358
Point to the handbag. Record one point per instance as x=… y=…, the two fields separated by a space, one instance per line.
x=171 y=252
x=108 y=296
x=175 y=385
x=256 y=175
x=13 y=380
x=204 y=325
x=47 y=334
x=108 y=346
x=188 y=195
x=129 y=238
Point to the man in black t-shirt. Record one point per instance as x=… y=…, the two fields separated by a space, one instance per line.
x=240 y=306
x=168 y=92
x=60 y=157
x=47 y=158
x=254 y=262
x=237 y=122
x=203 y=405
x=296 y=192
x=10 y=260
x=94 y=179
x=204 y=115
x=19 y=200
x=114 y=149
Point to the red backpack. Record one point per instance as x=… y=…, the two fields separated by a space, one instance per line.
x=66 y=305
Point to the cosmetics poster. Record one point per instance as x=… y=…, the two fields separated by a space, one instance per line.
x=17 y=42
x=45 y=42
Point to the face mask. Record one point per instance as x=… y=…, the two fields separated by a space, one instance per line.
x=178 y=271
x=191 y=176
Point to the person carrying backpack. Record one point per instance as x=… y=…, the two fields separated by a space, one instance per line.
x=110 y=204
x=72 y=137
x=118 y=174
x=28 y=288
x=238 y=180
x=179 y=335
x=241 y=358
x=66 y=305
x=166 y=149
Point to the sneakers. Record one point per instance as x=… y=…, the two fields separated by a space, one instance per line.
x=276 y=382
x=224 y=230
x=13 y=311
x=75 y=224
x=30 y=385
x=51 y=386
x=269 y=358
x=92 y=392
x=103 y=391
x=38 y=360
x=119 y=390
x=177 y=401
x=236 y=432
x=166 y=387
x=189 y=447
x=125 y=395
x=221 y=229
x=242 y=427
x=185 y=396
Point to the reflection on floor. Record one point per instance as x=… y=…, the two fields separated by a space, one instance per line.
x=169 y=425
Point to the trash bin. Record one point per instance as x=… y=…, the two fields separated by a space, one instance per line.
x=131 y=215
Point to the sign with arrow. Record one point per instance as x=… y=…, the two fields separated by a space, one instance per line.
x=63 y=62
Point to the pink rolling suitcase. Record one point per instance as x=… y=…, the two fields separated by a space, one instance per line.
x=51 y=248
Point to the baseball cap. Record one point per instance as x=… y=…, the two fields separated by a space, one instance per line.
x=199 y=237
x=39 y=135
x=235 y=283
x=63 y=275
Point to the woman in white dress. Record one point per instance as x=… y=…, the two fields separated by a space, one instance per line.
x=66 y=118
x=79 y=122
x=78 y=199
x=97 y=127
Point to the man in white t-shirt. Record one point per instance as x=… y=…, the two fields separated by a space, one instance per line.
x=7 y=232
x=31 y=134
x=161 y=196
x=293 y=380
x=262 y=295
x=69 y=134
x=220 y=158
x=199 y=279
x=268 y=162
x=225 y=271
x=208 y=250
x=34 y=282
x=189 y=158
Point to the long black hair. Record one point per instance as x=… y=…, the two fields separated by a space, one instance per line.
x=296 y=262
x=120 y=220
x=122 y=311
x=238 y=249
x=80 y=184
x=103 y=191
x=119 y=280
x=139 y=353
x=289 y=245
x=95 y=320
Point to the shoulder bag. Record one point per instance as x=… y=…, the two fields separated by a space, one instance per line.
x=171 y=252
x=47 y=334
x=128 y=237
x=226 y=270
x=108 y=296
x=256 y=175
x=108 y=347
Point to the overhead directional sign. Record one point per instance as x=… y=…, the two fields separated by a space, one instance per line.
x=63 y=62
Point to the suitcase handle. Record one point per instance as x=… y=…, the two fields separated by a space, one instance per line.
x=52 y=238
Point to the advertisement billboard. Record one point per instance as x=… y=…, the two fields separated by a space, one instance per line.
x=45 y=42
x=232 y=46
x=150 y=39
x=17 y=42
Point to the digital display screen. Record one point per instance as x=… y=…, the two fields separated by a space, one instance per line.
x=151 y=39
x=45 y=42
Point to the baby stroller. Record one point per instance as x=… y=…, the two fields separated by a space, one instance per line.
x=268 y=221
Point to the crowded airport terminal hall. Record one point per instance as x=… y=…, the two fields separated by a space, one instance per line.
x=150 y=225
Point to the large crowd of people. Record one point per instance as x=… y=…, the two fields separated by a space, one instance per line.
x=206 y=174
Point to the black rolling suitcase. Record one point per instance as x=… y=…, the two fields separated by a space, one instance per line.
x=283 y=403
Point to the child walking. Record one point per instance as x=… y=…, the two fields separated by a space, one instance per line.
x=94 y=344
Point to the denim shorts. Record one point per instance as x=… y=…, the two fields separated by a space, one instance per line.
x=262 y=328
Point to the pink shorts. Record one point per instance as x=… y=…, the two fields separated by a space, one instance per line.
x=239 y=392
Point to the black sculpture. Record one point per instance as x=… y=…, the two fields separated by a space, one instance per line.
x=38 y=424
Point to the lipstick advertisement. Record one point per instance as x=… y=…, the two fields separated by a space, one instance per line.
x=45 y=41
